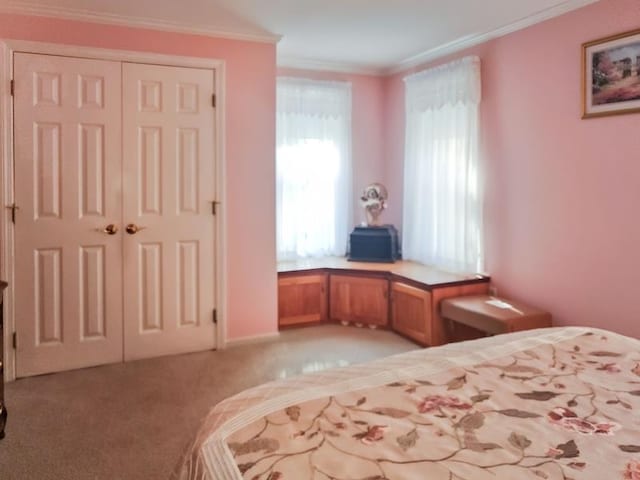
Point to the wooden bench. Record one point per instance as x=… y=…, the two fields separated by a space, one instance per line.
x=492 y=315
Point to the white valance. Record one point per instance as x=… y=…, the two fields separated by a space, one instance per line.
x=312 y=97
x=454 y=83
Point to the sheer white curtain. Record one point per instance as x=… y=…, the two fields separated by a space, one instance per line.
x=313 y=168
x=442 y=214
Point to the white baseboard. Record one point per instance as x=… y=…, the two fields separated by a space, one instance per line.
x=265 y=337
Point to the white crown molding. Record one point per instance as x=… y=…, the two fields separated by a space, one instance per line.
x=30 y=8
x=473 y=40
x=324 y=66
x=439 y=51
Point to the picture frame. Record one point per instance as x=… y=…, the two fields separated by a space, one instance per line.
x=611 y=75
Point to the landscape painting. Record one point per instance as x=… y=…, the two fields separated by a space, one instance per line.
x=612 y=75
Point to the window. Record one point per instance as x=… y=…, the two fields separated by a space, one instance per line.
x=313 y=168
x=442 y=214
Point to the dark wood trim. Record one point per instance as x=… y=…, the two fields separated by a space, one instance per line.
x=357 y=272
x=297 y=273
x=392 y=277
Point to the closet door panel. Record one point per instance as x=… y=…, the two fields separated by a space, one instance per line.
x=68 y=280
x=168 y=189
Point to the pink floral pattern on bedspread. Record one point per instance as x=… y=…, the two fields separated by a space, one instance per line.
x=563 y=411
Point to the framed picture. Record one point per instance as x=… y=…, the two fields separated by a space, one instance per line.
x=611 y=75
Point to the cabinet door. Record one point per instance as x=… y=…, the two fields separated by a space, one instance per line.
x=411 y=312
x=359 y=299
x=302 y=299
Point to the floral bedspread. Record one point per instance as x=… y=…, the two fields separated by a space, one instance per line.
x=562 y=404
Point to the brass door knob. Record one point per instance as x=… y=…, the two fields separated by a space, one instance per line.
x=132 y=228
x=110 y=229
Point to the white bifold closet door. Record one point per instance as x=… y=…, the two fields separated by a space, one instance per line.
x=100 y=145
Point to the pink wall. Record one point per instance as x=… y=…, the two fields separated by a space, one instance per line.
x=250 y=146
x=561 y=224
x=560 y=228
x=369 y=162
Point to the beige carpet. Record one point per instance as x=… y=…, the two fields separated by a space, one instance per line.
x=132 y=421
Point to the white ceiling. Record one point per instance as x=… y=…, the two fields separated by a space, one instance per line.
x=375 y=36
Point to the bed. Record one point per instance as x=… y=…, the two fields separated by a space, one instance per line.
x=558 y=403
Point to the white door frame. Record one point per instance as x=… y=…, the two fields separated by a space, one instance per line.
x=7 y=252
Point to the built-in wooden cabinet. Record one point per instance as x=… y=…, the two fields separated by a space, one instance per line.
x=411 y=312
x=302 y=299
x=403 y=296
x=359 y=299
